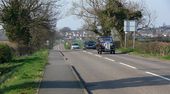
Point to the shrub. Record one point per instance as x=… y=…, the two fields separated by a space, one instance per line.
x=5 y=53
x=154 y=48
x=67 y=45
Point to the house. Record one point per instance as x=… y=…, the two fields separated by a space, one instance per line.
x=79 y=34
x=163 y=31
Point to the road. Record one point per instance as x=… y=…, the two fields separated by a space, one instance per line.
x=120 y=73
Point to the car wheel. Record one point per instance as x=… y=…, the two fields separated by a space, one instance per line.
x=99 y=52
x=113 y=52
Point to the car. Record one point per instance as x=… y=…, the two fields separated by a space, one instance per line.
x=90 y=44
x=75 y=46
x=105 y=44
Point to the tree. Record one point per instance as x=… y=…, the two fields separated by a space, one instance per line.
x=65 y=29
x=108 y=14
x=16 y=21
x=28 y=22
x=117 y=12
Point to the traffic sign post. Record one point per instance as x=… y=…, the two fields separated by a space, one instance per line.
x=130 y=26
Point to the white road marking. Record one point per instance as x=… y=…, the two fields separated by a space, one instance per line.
x=158 y=76
x=90 y=53
x=98 y=55
x=109 y=59
x=128 y=66
x=150 y=73
x=84 y=51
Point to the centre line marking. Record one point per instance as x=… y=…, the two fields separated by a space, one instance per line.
x=109 y=59
x=128 y=66
x=98 y=55
x=158 y=76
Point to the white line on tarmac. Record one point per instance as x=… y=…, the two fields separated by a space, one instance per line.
x=84 y=51
x=98 y=55
x=90 y=53
x=109 y=59
x=158 y=76
x=128 y=66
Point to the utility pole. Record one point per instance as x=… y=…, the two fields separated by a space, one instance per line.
x=134 y=38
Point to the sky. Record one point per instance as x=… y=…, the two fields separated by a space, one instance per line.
x=160 y=9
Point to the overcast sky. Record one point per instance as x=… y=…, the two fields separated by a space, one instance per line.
x=160 y=8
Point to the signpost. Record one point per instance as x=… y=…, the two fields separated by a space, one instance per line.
x=130 y=26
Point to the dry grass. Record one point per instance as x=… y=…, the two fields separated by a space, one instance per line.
x=13 y=45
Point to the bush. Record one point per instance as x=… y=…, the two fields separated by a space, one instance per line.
x=5 y=53
x=67 y=45
x=154 y=48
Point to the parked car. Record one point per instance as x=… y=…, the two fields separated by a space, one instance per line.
x=105 y=44
x=89 y=45
x=75 y=46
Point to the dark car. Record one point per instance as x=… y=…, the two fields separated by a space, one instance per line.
x=89 y=45
x=105 y=44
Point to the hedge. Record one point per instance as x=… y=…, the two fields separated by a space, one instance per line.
x=5 y=53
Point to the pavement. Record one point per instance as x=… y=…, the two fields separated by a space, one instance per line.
x=120 y=73
x=58 y=77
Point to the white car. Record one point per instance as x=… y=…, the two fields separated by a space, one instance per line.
x=75 y=46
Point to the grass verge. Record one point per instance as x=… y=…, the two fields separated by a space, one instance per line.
x=125 y=50
x=166 y=57
x=28 y=72
x=146 y=55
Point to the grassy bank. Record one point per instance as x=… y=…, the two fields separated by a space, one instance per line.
x=27 y=71
x=139 y=53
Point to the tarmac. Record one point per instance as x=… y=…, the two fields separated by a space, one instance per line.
x=59 y=77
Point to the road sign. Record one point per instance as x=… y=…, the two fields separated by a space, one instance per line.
x=130 y=25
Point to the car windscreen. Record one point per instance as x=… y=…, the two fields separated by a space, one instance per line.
x=89 y=42
x=75 y=44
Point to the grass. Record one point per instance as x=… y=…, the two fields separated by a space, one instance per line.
x=27 y=73
x=146 y=55
x=126 y=50
x=166 y=57
x=9 y=43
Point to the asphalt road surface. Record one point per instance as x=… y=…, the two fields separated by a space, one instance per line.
x=58 y=77
x=120 y=73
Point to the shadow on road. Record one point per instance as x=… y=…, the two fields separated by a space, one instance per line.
x=129 y=82
x=60 y=84
x=122 y=83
